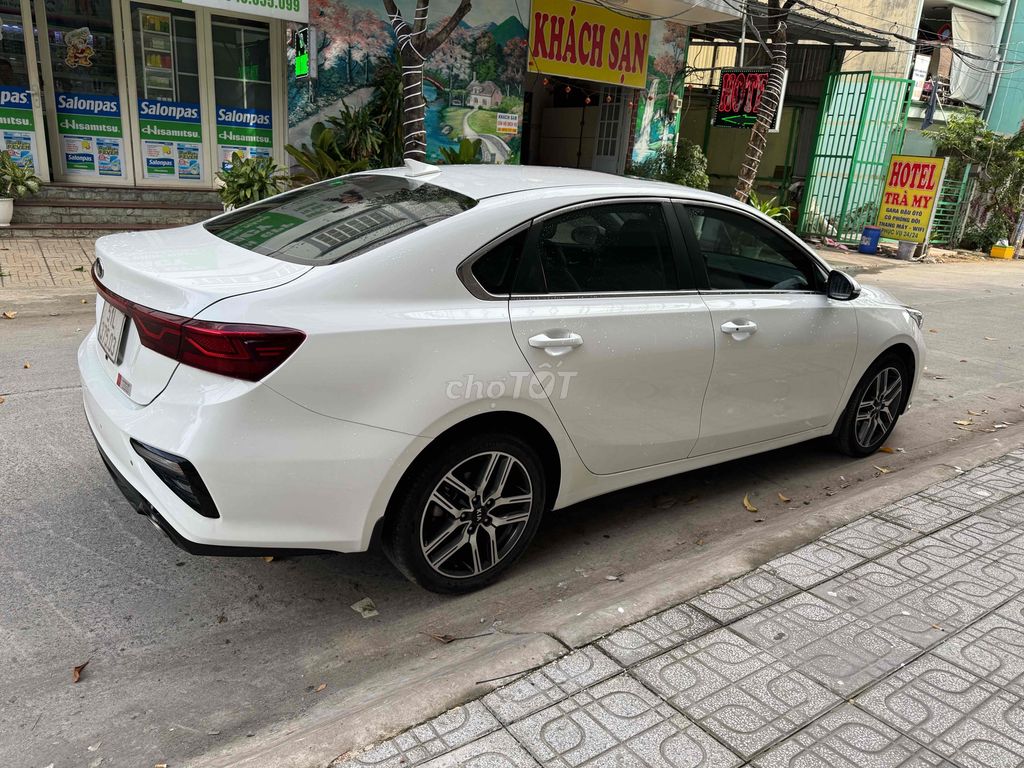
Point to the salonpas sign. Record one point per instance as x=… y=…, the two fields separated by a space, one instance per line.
x=289 y=10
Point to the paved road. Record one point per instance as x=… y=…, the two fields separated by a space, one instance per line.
x=187 y=655
x=895 y=640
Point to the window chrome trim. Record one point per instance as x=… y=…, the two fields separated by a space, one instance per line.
x=603 y=295
x=602 y=201
x=464 y=270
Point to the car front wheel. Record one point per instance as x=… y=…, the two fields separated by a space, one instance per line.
x=874 y=408
x=467 y=513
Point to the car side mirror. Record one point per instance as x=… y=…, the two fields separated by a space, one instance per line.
x=841 y=286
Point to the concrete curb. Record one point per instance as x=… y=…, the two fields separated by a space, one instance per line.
x=383 y=708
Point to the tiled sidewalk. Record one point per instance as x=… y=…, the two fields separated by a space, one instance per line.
x=45 y=263
x=897 y=640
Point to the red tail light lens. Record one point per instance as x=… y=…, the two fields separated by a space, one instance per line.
x=237 y=350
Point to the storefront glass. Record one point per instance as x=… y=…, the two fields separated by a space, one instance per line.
x=80 y=72
x=242 y=86
x=167 y=83
x=17 y=122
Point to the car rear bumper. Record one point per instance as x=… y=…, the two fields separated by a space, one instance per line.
x=281 y=476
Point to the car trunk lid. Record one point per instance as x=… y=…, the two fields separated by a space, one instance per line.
x=180 y=272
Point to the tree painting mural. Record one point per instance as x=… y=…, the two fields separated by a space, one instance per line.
x=463 y=73
x=414 y=46
x=656 y=129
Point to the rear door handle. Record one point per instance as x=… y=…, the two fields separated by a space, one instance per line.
x=744 y=329
x=556 y=345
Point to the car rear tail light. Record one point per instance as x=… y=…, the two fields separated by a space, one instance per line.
x=238 y=350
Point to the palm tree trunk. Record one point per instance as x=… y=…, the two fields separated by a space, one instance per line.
x=770 y=104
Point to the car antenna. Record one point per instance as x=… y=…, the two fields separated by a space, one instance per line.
x=416 y=168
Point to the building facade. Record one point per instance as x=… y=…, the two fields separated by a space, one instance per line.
x=144 y=94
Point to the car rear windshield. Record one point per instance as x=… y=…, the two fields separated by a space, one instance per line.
x=334 y=220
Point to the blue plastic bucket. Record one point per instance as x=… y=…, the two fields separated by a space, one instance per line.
x=869 y=239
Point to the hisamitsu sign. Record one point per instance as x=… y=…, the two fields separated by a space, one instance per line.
x=588 y=42
x=909 y=200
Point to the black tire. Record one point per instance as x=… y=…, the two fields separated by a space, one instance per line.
x=861 y=439
x=417 y=523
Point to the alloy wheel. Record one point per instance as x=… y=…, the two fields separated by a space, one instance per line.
x=878 y=407
x=476 y=514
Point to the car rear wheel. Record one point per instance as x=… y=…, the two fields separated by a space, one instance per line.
x=874 y=408
x=467 y=513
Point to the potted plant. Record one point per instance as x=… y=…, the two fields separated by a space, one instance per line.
x=15 y=181
x=249 y=179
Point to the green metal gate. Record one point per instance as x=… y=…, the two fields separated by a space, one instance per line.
x=951 y=208
x=861 y=126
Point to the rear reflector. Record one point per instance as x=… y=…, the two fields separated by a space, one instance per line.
x=180 y=476
x=238 y=350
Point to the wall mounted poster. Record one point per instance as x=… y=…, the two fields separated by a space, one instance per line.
x=91 y=135
x=17 y=126
x=171 y=137
x=245 y=131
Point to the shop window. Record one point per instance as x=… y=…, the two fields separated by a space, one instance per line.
x=166 y=54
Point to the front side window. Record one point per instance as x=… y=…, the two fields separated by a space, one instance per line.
x=606 y=249
x=335 y=220
x=742 y=254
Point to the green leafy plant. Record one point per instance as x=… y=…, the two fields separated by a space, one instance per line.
x=322 y=158
x=386 y=108
x=250 y=179
x=356 y=133
x=16 y=181
x=686 y=166
x=770 y=207
x=983 y=237
x=468 y=152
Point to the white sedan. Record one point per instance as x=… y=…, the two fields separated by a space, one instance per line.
x=436 y=357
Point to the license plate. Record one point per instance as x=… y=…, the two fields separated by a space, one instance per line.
x=111 y=332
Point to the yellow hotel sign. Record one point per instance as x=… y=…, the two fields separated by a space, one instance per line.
x=908 y=202
x=588 y=42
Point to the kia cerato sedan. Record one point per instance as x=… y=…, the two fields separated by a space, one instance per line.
x=436 y=357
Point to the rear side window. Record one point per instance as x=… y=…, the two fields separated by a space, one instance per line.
x=334 y=220
x=496 y=269
x=609 y=248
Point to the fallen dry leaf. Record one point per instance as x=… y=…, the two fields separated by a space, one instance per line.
x=85 y=301
x=76 y=673
x=27 y=365
x=268 y=558
x=964 y=422
x=939 y=378
x=3 y=400
x=963 y=360
x=783 y=498
x=10 y=315
x=699 y=542
x=977 y=413
x=445 y=639
x=883 y=470
x=320 y=687
x=886 y=449
x=758 y=519
x=160 y=765
x=747 y=505
x=933 y=330
x=989 y=338
x=78 y=269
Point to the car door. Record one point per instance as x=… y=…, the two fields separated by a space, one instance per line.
x=783 y=349
x=608 y=318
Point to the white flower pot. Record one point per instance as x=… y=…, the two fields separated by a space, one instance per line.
x=6 y=211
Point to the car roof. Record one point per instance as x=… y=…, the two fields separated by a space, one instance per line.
x=481 y=181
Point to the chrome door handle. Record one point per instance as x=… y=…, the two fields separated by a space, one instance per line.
x=739 y=329
x=556 y=345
